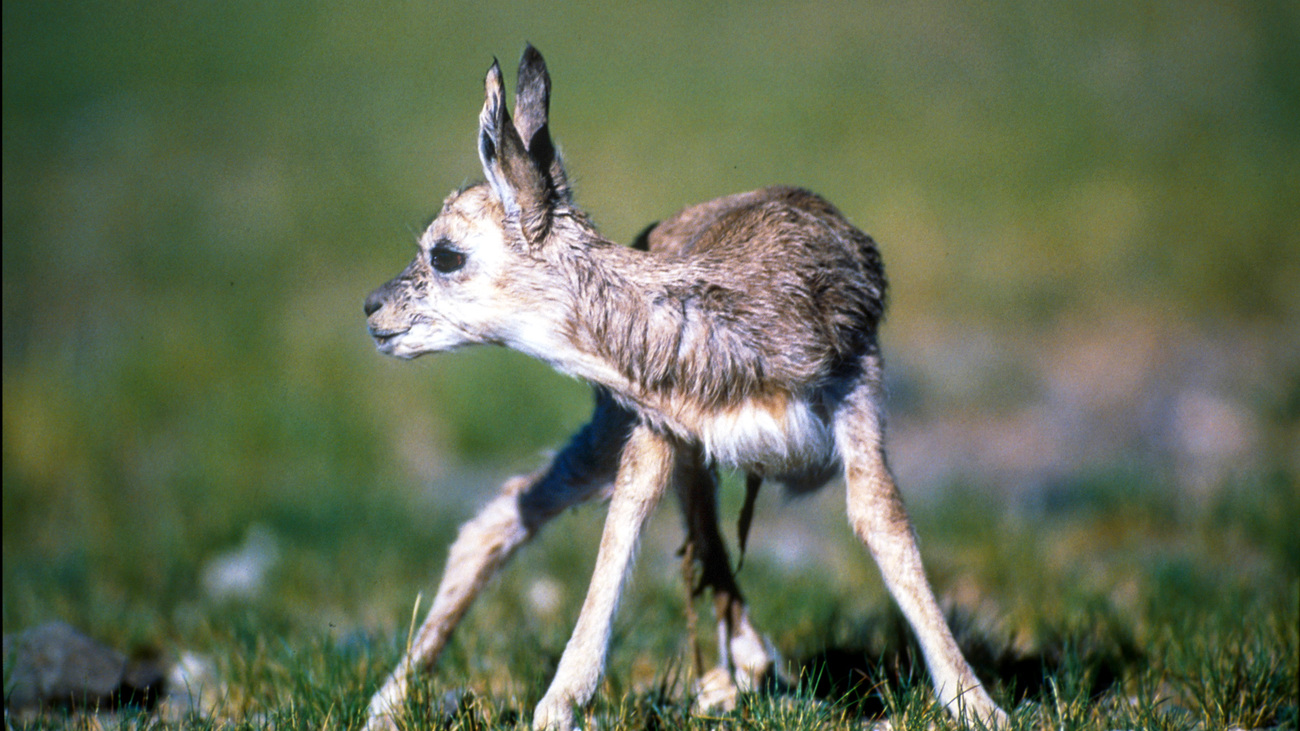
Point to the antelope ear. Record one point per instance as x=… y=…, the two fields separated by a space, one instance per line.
x=532 y=100
x=532 y=113
x=523 y=187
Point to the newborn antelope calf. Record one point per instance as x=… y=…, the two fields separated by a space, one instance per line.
x=742 y=333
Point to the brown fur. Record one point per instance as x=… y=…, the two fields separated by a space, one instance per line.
x=742 y=309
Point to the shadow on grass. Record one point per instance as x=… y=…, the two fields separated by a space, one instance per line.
x=882 y=659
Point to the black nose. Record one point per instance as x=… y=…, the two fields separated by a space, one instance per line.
x=375 y=301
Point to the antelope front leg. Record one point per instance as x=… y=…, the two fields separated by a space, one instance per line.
x=484 y=543
x=581 y=471
x=584 y=469
x=876 y=511
x=643 y=474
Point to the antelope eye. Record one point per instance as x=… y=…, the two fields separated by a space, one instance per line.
x=446 y=259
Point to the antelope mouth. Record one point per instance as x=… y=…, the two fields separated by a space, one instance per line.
x=384 y=338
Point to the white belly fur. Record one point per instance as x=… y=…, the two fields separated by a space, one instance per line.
x=780 y=435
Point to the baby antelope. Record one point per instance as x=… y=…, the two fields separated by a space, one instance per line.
x=741 y=333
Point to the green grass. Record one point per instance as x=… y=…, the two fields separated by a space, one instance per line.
x=198 y=196
x=1146 y=617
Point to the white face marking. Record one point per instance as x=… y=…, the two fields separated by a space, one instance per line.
x=467 y=285
x=500 y=295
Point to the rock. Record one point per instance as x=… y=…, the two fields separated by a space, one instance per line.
x=242 y=574
x=54 y=665
x=447 y=706
x=193 y=689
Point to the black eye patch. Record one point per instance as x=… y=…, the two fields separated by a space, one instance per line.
x=445 y=259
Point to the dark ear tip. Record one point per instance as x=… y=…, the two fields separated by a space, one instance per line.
x=493 y=81
x=531 y=57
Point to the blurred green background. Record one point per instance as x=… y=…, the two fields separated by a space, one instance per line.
x=1077 y=203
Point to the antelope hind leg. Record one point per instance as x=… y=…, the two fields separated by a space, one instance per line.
x=746 y=659
x=877 y=515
